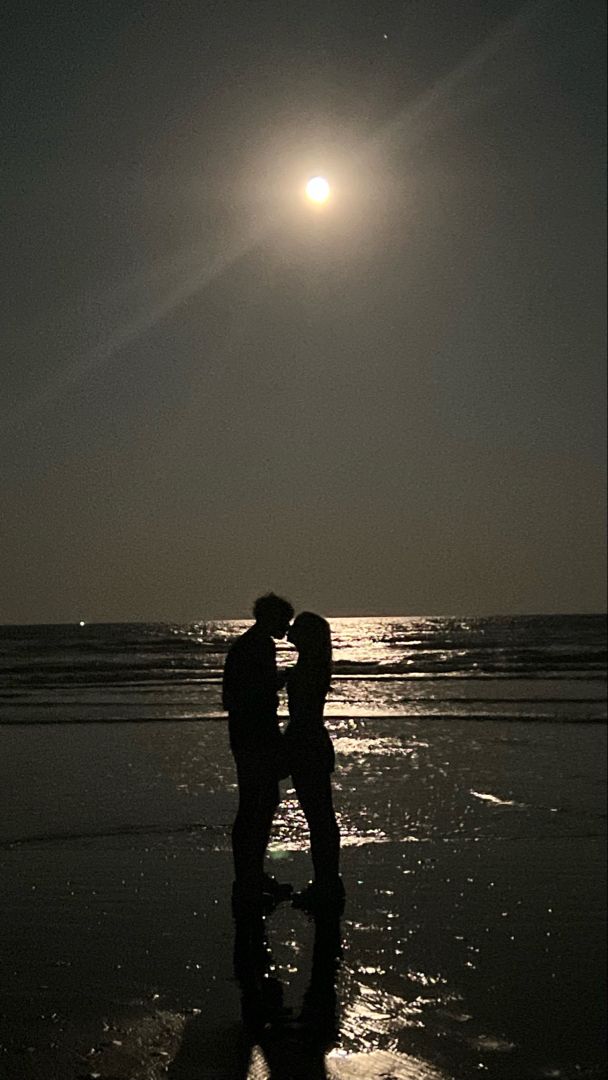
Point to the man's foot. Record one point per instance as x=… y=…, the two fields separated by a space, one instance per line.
x=277 y=891
x=321 y=896
x=247 y=900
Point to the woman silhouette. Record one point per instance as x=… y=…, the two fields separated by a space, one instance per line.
x=311 y=756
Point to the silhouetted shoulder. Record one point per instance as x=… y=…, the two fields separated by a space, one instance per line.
x=252 y=643
x=249 y=684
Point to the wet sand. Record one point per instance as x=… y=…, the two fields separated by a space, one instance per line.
x=471 y=943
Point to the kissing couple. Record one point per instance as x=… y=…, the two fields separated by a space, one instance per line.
x=264 y=755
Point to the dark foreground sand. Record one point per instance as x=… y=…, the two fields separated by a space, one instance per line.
x=471 y=944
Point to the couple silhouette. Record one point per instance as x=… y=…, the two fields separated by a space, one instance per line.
x=264 y=755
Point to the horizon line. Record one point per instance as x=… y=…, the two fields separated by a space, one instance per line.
x=247 y=618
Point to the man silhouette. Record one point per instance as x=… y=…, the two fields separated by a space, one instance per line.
x=250 y=696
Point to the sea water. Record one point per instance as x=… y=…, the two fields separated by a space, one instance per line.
x=491 y=668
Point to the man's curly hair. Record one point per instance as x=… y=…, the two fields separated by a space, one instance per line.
x=270 y=605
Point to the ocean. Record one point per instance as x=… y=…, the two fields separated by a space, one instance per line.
x=491 y=668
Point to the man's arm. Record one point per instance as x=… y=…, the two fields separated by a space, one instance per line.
x=230 y=683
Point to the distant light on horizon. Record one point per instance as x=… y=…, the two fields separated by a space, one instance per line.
x=318 y=189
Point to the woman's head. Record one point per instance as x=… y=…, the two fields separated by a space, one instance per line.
x=311 y=636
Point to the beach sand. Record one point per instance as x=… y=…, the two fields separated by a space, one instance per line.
x=472 y=942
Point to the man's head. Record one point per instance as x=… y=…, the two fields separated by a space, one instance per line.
x=273 y=614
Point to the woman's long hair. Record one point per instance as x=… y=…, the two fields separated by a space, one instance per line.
x=314 y=648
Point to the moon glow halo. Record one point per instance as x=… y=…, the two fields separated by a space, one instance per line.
x=317 y=189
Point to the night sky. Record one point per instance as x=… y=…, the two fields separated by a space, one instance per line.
x=394 y=404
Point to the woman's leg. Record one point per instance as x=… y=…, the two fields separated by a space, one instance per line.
x=313 y=789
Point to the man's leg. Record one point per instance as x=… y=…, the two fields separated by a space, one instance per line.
x=258 y=800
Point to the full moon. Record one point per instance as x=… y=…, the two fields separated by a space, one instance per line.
x=317 y=189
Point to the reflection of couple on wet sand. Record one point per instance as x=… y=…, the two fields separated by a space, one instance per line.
x=274 y=1043
x=293 y=1047
x=263 y=755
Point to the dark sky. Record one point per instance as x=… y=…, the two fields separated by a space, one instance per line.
x=209 y=389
